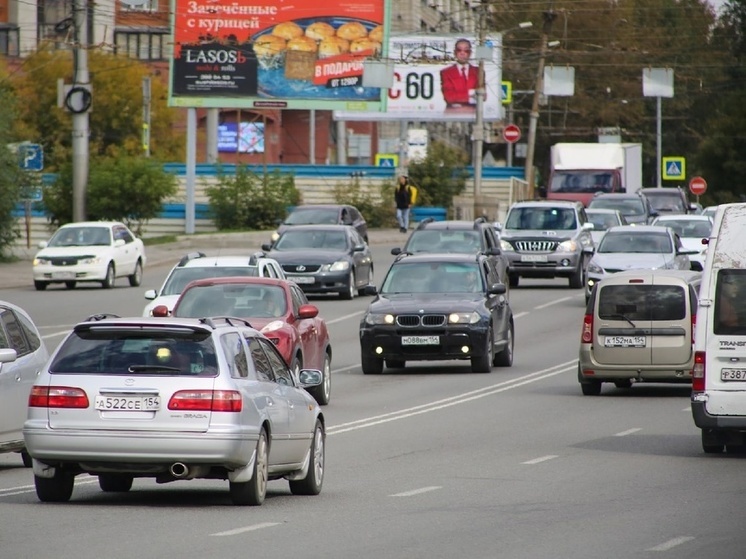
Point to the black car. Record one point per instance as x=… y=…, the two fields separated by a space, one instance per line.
x=635 y=208
x=436 y=307
x=324 y=259
x=324 y=214
x=668 y=200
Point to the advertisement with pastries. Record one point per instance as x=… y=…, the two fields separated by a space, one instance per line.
x=294 y=54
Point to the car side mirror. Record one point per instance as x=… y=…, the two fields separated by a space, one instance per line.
x=119 y=242
x=396 y=251
x=493 y=251
x=370 y=290
x=588 y=226
x=497 y=289
x=358 y=248
x=266 y=247
x=151 y=294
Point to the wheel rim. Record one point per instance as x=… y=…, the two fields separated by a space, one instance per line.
x=261 y=465
x=509 y=347
x=318 y=456
x=327 y=380
x=110 y=275
x=352 y=285
x=138 y=273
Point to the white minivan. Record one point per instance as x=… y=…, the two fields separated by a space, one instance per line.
x=719 y=374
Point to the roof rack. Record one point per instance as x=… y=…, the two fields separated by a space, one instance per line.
x=101 y=316
x=424 y=222
x=211 y=321
x=191 y=256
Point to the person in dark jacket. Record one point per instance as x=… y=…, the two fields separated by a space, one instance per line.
x=403 y=199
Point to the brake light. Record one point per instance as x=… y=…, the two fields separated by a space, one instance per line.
x=698 y=372
x=57 y=397
x=587 y=334
x=206 y=400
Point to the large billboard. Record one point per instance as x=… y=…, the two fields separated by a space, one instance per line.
x=300 y=55
x=436 y=78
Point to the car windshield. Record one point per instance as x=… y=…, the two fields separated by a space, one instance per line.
x=81 y=236
x=581 y=182
x=699 y=228
x=601 y=222
x=433 y=277
x=641 y=302
x=666 y=202
x=444 y=241
x=313 y=216
x=628 y=206
x=321 y=239
x=643 y=242
x=560 y=219
x=244 y=301
x=180 y=277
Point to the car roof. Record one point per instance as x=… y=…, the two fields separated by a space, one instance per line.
x=456 y=224
x=540 y=203
x=438 y=257
x=687 y=217
x=236 y=280
x=90 y=224
x=660 y=190
x=318 y=227
x=638 y=229
x=601 y=211
x=218 y=261
x=624 y=276
x=197 y=324
x=320 y=206
x=619 y=195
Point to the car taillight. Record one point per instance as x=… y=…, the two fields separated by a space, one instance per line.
x=587 y=335
x=57 y=397
x=206 y=400
x=698 y=372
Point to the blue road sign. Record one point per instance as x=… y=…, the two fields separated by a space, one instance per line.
x=31 y=157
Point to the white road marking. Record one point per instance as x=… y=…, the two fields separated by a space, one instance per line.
x=541 y=459
x=670 y=544
x=628 y=432
x=341 y=318
x=417 y=491
x=688 y=409
x=246 y=529
x=521 y=314
x=21 y=489
x=550 y=303
x=56 y=334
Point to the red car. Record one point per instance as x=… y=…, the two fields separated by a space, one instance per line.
x=278 y=308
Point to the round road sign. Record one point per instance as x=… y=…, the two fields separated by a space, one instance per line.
x=697 y=186
x=511 y=133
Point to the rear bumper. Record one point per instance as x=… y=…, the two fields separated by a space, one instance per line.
x=705 y=420
x=639 y=372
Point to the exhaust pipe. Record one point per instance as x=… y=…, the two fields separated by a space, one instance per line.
x=179 y=470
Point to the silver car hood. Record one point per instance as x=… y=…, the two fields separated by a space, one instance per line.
x=632 y=261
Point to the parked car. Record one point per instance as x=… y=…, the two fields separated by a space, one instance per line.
x=636 y=247
x=547 y=239
x=324 y=214
x=639 y=327
x=692 y=230
x=667 y=200
x=173 y=399
x=278 y=308
x=22 y=355
x=434 y=307
x=197 y=265
x=324 y=259
x=635 y=208
x=89 y=251
x=602 y=220
x=710 y=211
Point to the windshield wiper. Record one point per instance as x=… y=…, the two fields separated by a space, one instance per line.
x=141 y=368
x=623 y=317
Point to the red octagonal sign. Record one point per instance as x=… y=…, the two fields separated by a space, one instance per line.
x=511 y=133
x=697 y=186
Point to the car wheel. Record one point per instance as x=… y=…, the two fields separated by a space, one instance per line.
x=26 y=457
x=624 y=383
x=483 y=363
x=371 y=365
x=71 y=284
x=712 y=441
x=505 y=357
x=590 y=388
x=577 y=277
x=252 y=492
x=136 y=278
x=108 y=282
x=323 y=393
x=349 y=292
x=361 y=291
x=311 y=484
x=115 y=483
x=57 y=489
x=40 y=285
x=395 y=363
x=513 y=280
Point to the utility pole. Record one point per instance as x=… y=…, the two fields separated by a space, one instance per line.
x=80 y=108
x=479 y=117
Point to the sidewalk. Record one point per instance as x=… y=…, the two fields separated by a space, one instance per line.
x=18 y=274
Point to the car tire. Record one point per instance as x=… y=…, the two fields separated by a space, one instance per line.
x=253 y=492
x=108 y=282
x=349 y=292
x=40 y=285
x=371 y=365
x=483 y=363
x=71 y=284
x=57 y=489
x=505 y=357
x=26 y=458
x=323 y=393
x=136 y=278
x=361 y=291
x=590 y=388
x=712 y=441
x=513 y=280
x=395 y=363
x=312 y=483
x=115 y=483
x=577 y=279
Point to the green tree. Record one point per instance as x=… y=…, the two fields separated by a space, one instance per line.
x=11 y=176
x=438 y=177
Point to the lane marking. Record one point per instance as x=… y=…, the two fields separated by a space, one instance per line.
x=83 y=479
x=670 y=544
x=246 y=529
x=345 y=317
x=628 y=432
x=555 y=302
x=419 y=491
x=541 y=459
x=521 y=314
x=56 y=334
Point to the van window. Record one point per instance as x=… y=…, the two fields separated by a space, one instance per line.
x=642 y=302
x=729 y=308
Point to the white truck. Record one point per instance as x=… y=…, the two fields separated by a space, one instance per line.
x=580 y=170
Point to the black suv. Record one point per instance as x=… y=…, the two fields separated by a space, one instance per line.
x=435 y=307
x=635 y=208
x=668 y=200
x=459 y=236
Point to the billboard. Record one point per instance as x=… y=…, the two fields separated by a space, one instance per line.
x=302 y=55
x=435 y=79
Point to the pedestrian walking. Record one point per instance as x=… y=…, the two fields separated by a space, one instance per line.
x=403 y=199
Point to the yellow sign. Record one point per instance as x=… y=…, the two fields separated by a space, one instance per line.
x=507 y=92
x=387 y=160
x=674 y=168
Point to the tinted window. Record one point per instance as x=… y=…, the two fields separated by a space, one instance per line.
x=730 y=313
x=444 y=241
x=180 y=277
x=646 y=243
x=433 y=277
x=261 y=362
x=628 y=206
x=541 y=218
x=642 y=302
x=601 y=222
x=14 y=332
x=313 y=216
x=667 y=201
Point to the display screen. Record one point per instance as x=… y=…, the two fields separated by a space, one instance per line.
x=244 y=137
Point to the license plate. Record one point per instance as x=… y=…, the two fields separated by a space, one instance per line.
x=302 y=279
x=420 y=340
x=63 y=275
x=732 y=374
x=533 y=257
x=128 y=403
x=625 y=341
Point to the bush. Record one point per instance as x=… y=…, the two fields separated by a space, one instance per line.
x=247 y=200
x=378 y=211
x=440 y=176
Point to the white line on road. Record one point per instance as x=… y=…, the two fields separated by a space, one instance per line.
x=628 y=432
x=670 y=544
x=541 y=459
x=688 y=408
x=246 y=529
x=56 y=334
x=520 y=315
x=21 y=489
x=555 y=302
x=347 y=316
x=417 y=491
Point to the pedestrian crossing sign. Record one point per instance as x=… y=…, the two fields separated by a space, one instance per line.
x=387 y=160
x=674 y=168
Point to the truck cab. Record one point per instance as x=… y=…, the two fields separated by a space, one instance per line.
x=581 y=185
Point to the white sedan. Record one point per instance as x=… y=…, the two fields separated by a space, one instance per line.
x=91 y=251
x=691 y=229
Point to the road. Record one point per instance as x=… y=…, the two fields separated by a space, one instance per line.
x=429 y=462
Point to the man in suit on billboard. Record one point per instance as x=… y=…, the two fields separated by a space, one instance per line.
x=460 y=81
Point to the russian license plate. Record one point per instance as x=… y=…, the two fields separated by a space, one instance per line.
x=732 y=374
x=533 y=257
x=302 y=279
x=625 y=341
x=63 y=275
x=420 y=340
x=128 y=403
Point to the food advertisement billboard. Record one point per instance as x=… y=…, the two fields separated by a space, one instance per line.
x=300 y=55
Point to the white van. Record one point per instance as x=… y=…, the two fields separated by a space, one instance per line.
x=719 y=374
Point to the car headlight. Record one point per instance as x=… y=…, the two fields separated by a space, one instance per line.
x=594 y=268
x=506 y=246
x=568 y=246
x=275 y=235
x=463 y=318
x=377 y=318
x=38 y=261
x=272 y=326
x=91 y=260
x=338 y=266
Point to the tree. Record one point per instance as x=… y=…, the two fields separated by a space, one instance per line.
x=11 y=175
x=440 y=176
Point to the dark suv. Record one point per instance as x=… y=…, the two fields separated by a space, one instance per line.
x=667 y=201
x=434 y=307
x=635 y=208
x=547 y=239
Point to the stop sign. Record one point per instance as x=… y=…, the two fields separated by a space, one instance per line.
x=697 y=186
x=511 y=133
